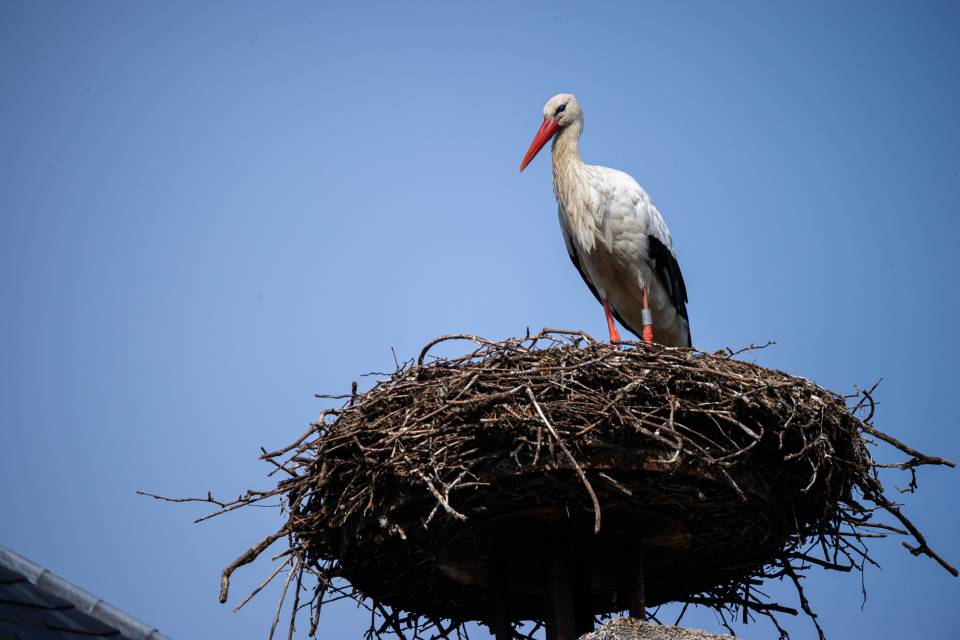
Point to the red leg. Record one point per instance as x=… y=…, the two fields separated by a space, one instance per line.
x=647 y=320
x=614 y=334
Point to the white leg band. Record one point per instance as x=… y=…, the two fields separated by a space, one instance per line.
x=646 y=316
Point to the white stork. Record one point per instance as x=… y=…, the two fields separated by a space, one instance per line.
x=614 y=234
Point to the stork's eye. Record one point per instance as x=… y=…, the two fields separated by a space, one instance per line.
x=561 y=109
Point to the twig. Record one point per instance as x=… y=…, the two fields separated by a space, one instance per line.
x=262 y=585
x=247 y=557
x=919 y=457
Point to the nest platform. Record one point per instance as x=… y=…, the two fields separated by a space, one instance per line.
x=706 y=465
x=460 y=488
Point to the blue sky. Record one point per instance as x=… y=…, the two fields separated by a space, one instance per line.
x=211 y=211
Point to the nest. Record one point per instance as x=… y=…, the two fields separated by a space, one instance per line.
x=726 y=472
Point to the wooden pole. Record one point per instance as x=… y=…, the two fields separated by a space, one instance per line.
x=502 y=630
x=637 y=598
x=568 y=609
x=558 y=588
x=579 y=553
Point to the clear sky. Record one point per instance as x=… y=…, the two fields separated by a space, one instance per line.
x=210 y=211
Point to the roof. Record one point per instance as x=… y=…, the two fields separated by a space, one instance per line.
x=36 y=604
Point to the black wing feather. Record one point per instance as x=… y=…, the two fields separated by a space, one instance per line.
x=666 y=266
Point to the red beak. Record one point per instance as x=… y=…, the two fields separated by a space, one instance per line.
x=547 y=131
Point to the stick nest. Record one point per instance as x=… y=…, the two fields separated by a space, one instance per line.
x=758 y=474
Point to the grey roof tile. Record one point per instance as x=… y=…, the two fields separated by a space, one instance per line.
x=26 y=595
x=6 y=575
x=38 y=605
x=22 y=631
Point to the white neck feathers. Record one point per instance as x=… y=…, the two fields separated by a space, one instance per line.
x=570 y=186
x=567 y=164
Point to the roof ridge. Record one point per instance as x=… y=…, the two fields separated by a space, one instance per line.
x=95 y=607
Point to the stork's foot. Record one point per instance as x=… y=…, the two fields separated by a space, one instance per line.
x=647 y=315
x=647 y=334
x=614 y=335
x=611 y=326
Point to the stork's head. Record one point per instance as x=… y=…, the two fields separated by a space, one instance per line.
x=562 y=110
